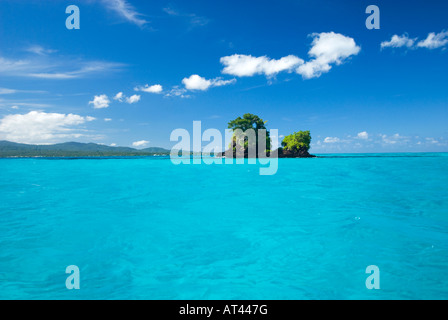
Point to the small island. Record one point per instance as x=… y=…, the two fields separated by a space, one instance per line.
x=296 y=145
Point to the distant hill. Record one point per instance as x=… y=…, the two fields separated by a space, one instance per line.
x=156 y=150
x=73 y=149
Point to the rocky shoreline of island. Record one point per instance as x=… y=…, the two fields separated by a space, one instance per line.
x=282 y=154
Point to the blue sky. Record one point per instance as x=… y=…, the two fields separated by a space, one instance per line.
x=301 y=65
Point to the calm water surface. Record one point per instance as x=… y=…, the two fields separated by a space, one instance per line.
x=146 y=229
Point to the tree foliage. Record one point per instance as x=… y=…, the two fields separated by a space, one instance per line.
x=297 y=141
x=247 y=122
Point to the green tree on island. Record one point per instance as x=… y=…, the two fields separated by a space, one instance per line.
x=296 y=145
x=247 y=122
x=297 y=141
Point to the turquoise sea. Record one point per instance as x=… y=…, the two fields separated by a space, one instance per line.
x=144 y=228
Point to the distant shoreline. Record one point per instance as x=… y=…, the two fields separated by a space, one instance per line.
x=167 y=156
x=73 y=150
x=86 y=156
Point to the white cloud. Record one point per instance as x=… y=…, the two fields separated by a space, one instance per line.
x=394 y=139
x=195 y=82
x=327 y=48
x=107 y=119
x=39 y=50
x=434 y=41
x=194 y=19
x=139 y=144
x=248 y=66
x=100 y=102
x=178 y=92
x=363 y=135
x=7 y=91
x=82 y=71
x=364 y=142
x=331 y=140
x=113 y=144
x=170 y=11
x=432 y=141
x=119 y=96
x=53 y=76
x=218 y=82
x=13 y=66
x=157 y=88
x=41 y=128
x=54 y=68
x=126 y=11
x=16 y=103
x=133 y=99
x=4 y=91
x=398 y=42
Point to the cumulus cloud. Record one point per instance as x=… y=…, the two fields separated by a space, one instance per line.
x=398 y=42
x=100 y=102
x=140 y=144
x=363 y=135
x=327 y=48
x=119 y=97
x=107 y=119
x=178 y=92
x=432 y=140
x=394 y=139
x=157 y=88
x=196 y=82
x=133 y=99
x=434 y=41
x=248 y=66
x=41 y=128
x=331 y=140
x=364 y=142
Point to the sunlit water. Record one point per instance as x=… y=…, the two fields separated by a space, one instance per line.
x=146 y=229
